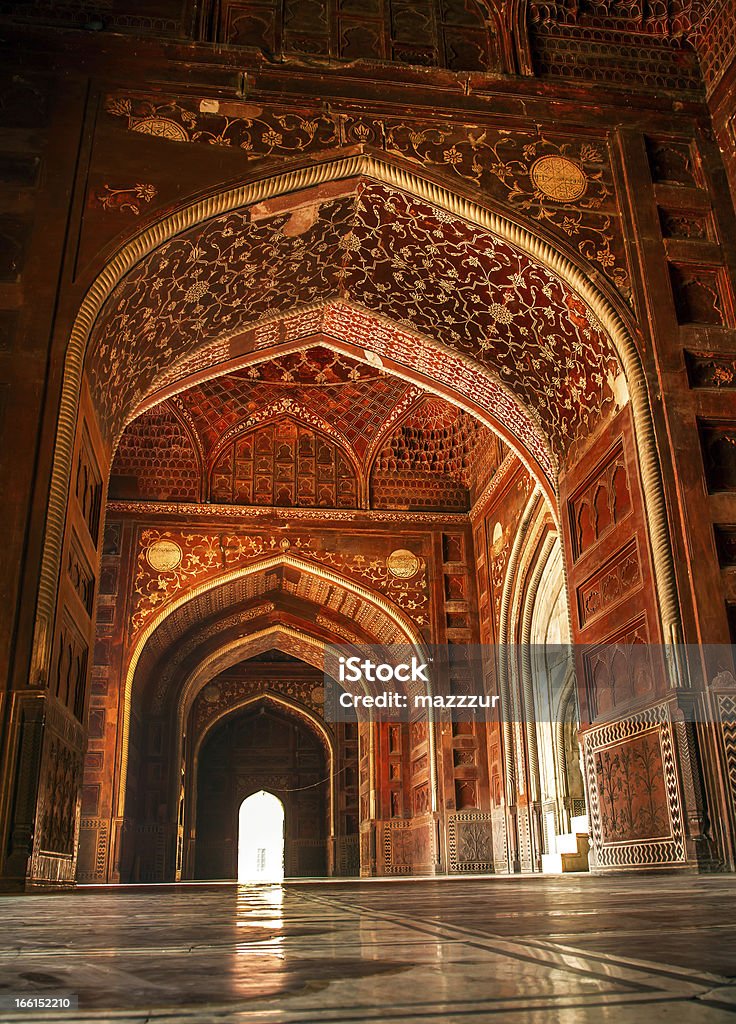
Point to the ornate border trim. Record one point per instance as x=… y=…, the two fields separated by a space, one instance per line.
x=156 y=508
x=647 y=853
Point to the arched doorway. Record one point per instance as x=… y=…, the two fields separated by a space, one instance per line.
x=261 y=749
x=261 y=838
x=544 y=418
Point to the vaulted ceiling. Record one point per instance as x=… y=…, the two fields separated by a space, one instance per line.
x=312 y=428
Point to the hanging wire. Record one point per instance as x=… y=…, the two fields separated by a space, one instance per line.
x=313 y=785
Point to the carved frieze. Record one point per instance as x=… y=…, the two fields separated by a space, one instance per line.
x=205 y=556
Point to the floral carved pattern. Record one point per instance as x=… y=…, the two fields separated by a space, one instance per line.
x=205 y=556
x=632 y=790
x=503 y=163
x=400 y=259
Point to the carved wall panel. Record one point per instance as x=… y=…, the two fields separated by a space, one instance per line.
x=88 y=485
x=711 y=369
x=94 y=839
x=725 y=537
x=727 y=712
x=635 y=810
x=700 y=295
x=69 y=680
x=673 y=162
x=718 y=444
x=80 y=573
x=408 y=846
x=619 y=671
x=610 y=584
x=690 y=225
x=451 y=33
x=286 y=463
x=470 y=841
x=601 y=502
x=57 y=814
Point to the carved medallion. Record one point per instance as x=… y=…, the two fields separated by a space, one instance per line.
x=402 y=564
x=211 y=693
x=559 y=178
x=162 y=128
x=318 y=695
x=164 y=555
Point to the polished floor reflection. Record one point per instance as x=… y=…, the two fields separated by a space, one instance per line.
x=574 y=949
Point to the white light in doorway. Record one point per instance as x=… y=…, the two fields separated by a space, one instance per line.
x=261 y=839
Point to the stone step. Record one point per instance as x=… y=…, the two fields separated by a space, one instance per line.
x=575 y=859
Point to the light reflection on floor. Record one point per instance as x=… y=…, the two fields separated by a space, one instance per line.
x=577 y=949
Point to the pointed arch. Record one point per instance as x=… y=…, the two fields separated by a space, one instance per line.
x=403 y=625
x=342 y=166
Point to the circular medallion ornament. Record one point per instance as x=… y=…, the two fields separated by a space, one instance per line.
x=163 y=555
x=318 y=694
x=402 y=564
x=559 y=178
x=161 y=128
x=211 y=693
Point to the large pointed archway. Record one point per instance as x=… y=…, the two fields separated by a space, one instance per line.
x=491 y=225
x=343 y=249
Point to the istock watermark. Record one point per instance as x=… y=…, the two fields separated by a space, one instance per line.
x=523 y=682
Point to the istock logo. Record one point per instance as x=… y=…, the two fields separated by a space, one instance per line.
x=353 y=670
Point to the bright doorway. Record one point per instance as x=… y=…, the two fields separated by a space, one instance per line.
x=261 y=839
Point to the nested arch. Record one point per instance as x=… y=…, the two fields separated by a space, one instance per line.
x=381 y=620
x=581 y=309
x=304 y=715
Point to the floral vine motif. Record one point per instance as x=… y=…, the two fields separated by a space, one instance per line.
x=631 y=786
x=503 y=163
x=411 y=267
x=122 y=199
x=258 y=136
x=209 y=555
x=498 y=161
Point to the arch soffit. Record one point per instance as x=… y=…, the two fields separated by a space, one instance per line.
x=389 y=250
x=177 y=652
x=340 y=168
x=204 y=616
x=299 y=642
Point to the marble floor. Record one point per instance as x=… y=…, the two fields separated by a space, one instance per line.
x=449 y=951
